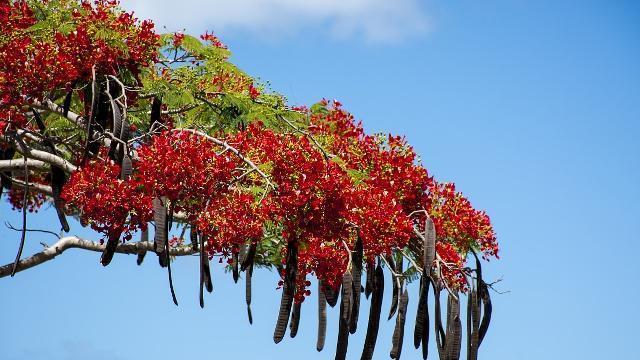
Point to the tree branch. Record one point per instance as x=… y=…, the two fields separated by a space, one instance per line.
x=18 y=164
x=71 y=242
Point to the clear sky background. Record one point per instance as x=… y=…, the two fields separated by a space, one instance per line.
x=531 y=107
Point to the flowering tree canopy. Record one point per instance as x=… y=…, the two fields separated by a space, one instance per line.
x=122 y=128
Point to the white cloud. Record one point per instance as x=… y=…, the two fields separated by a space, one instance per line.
x=371 y=20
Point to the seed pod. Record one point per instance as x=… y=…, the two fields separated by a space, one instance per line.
x=144 y=237
x=343 y=327
x=251 y=254
x=162 y=231
x=173 y=293
x=288 y=289
x=357 y=285
x=234 y=266
x=295 y=320
x=374 y=314
x=422 y=316
x=369 y=281
x=454 y=329
x=156 y=107
x=247 y=287
x=66 y=104
x=112 y=243
x=429 y=245
x=347 y=296
x=193 y=236
x=331 y=294
x=322 y=317
x=398 y=332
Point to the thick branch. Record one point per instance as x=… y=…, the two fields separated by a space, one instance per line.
x=71 y=242
x=18 y=164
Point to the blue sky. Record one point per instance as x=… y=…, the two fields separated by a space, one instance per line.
x=531 y=107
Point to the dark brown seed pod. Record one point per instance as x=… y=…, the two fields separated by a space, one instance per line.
x=283 y=315
x=441 y=339
x=483 y=293
x=421 y=319
x=322 y=317
x=429 y=245
x=249 y=258
x=144 y=237
x=161 y=233
x=110 y=249
x=454 y=329
x=234 y=267
x=295 y=320
x=247 y=287
x=357 y=285
x=343 y=327
x=331 y=294
x=193 y=236
x=66 y=104
x=368 y=288
x=347 y=296
x=398 y=332
x=373 y=326
x=173 y=293
x=127 y=168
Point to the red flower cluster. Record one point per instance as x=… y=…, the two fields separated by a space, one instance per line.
x=35 y=63
x=110 y=205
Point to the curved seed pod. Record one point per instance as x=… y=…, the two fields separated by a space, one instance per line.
x=441 y=339
x=368 y=288
x=283 y=315
x=454 y=329
x=161 y=234
x=420 y=315
x=173 y=293
x=487 y=309
x=58 y=179
x=357 y=285
x=374 y=314
x=193 y=236
x=66 y=104
x=112 y=243
x=425 y=330
x=117 y=119
x=247 y=288
x=234 y=266
x=144 y=236
x=286 y=302
x=347 y=296
x=343 y=327
x=473 y=323
x=322 y=317
x=484 y=298
x=429 y=245
x=251 y=254
x=295 y=320
x=397 y=284
x=398 y=333
x=331 y=294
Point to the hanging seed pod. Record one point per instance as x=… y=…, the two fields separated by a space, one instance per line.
x=357 y=285
x=173 y=293
x=234 y=266
x=295 y=320
x=127 y=168
x=288 y=289
x=331 y=295
x=397 y=284
x=205 y=272
x=110 y=249
x=398 y=332
x=473 y=324
x=247 y=287
x=144 y=237
x=454 y=329
x=66 y=104
x=429 y=245
x=347 y=296
x=193 y=236
x=322 y=317
x=251 y=254
x=374 y=314
x=368 y=288
x=343 y=323
x=439 y=330
x=483 y=293
x=162 y=231
x=422 y=316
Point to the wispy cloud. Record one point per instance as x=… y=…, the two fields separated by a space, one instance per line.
x=369 y=20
